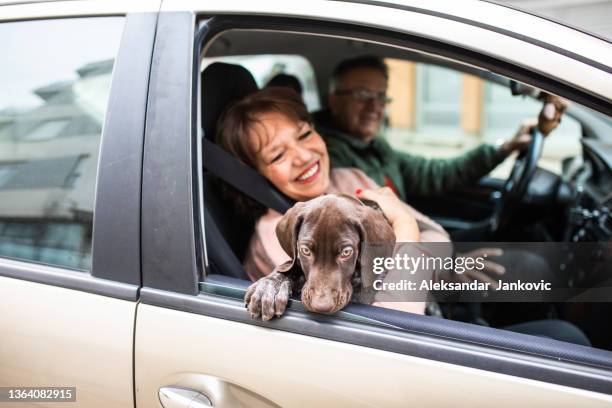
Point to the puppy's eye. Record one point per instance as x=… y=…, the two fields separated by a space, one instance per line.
x=346 y=252
x=305 y=250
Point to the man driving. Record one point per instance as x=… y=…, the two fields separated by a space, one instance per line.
x=352 y=126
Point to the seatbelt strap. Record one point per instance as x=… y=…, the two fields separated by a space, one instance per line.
x=244 y=178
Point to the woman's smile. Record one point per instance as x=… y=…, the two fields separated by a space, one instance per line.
x=310 y=174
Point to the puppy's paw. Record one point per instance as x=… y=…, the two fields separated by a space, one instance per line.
x=268 y=297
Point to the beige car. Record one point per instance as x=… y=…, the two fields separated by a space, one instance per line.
x=120 y=265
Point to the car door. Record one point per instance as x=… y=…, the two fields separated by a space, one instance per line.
x=195 y=342
x=74 y=77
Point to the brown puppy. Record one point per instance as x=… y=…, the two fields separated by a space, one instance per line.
x=332 y=241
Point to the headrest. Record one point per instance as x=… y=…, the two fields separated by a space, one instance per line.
x=286 y=81
x=222 y=84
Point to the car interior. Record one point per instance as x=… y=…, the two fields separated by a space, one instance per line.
x=573 y=206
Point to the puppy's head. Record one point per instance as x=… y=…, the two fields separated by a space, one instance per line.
x=333 y=238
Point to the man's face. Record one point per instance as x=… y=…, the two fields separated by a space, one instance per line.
x=357 y=105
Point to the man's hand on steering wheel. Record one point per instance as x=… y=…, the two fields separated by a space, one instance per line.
x=529 y=141
x=548 y=120
x=550 y=115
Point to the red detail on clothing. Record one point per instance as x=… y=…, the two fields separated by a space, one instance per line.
x=390 y=184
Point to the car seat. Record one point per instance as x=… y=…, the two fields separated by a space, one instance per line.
x=228 y=231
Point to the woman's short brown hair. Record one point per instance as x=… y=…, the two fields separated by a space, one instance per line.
x=237 y=120
x=233 y=133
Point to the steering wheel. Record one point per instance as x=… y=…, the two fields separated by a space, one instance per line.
x=516 y=185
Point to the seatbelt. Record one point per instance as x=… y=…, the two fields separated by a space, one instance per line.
x=244 y=178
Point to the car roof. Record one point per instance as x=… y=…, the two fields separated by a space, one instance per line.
x=485 y=13
x=26 y=9
x=324 y=59
x=523 y=8
x=18 y=2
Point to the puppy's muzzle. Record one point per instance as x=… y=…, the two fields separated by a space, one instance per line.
x=325 y=300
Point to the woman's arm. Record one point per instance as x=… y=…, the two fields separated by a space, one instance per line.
x=406 y=230
x=401 y=219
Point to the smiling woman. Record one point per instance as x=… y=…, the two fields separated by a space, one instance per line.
x=272 y=132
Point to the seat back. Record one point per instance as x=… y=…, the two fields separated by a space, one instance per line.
x=223 y=84
x=227 y=232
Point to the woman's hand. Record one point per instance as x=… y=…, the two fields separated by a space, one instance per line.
x=402 y=221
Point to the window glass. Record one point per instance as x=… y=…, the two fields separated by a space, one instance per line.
x=52 y=107
x=454 y=112
x=265 y=67
x=438 y=98
x=504 y=112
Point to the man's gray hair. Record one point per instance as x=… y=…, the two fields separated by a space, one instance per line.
x=365 y=61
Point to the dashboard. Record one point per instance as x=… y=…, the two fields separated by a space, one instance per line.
x=590 y=214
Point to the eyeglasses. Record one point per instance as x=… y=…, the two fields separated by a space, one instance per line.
x=363 y=95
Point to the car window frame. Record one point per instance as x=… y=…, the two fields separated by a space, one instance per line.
x=115 y=251
x=173 y=264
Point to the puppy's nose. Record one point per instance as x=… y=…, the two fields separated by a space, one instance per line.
x=322 y=304
x=320 y=300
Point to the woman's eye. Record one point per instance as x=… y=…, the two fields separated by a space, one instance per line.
x=305 y=251
x=346 y=252
x=305 y=134
x=277 y=157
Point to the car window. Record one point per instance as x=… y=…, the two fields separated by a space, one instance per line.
x=55 y=84
x=435 y=111
x=438 y=112
x=266 y=67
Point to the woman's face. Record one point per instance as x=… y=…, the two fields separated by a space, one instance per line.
x=291 y=155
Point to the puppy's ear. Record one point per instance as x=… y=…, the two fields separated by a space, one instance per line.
x=377 y=240
x=287 y=231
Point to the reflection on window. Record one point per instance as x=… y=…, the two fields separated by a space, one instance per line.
x=52 y=109
x=265 y=67
x=47 y=130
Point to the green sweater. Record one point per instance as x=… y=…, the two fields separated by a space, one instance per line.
x=411 y=175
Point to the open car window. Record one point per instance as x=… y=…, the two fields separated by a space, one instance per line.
x=437 y=112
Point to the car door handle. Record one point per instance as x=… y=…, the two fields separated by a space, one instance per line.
x=197 y=390
x=175 y=397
